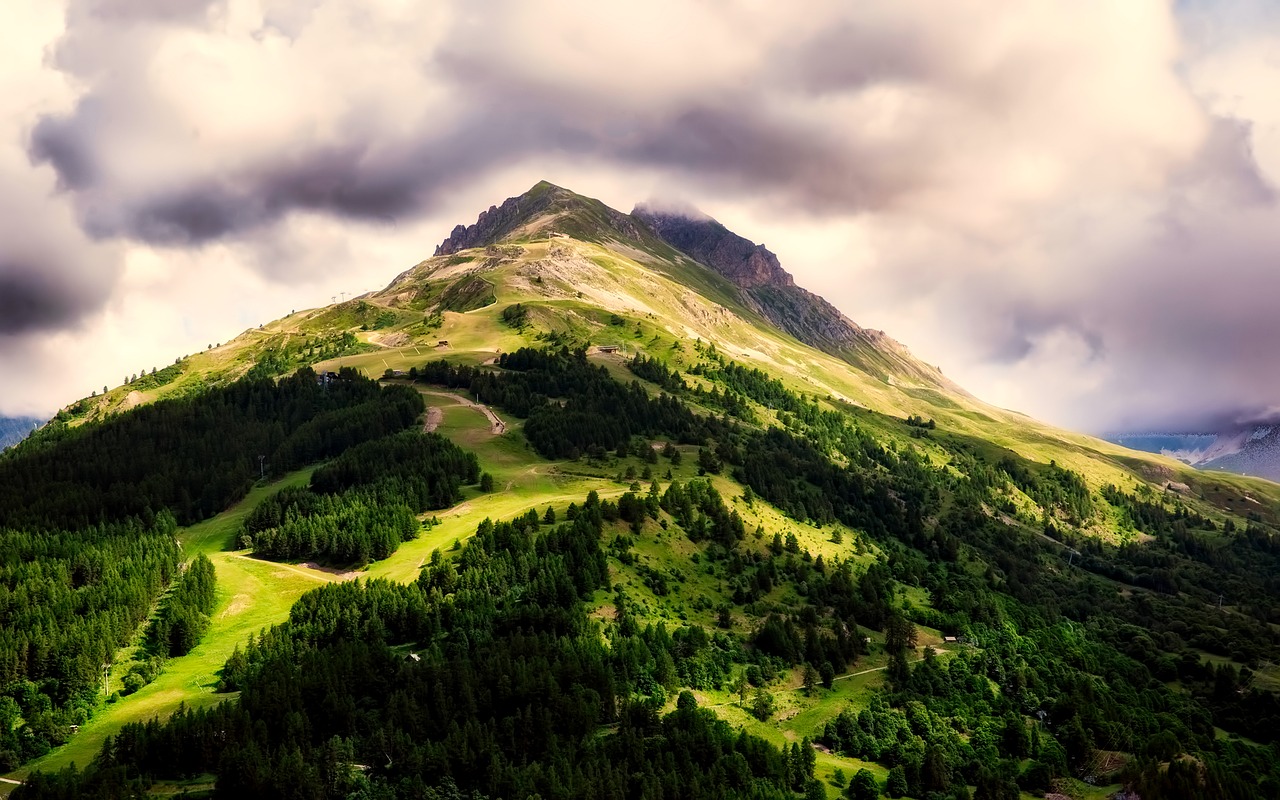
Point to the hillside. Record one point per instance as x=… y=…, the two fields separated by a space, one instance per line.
x=635 y=516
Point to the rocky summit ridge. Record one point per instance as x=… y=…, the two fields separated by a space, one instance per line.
x=755 y=273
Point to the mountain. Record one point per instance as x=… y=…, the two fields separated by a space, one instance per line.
x=1247 y=449
x=15 y=429
x=585 y=274
x=631 y=515
x=1189 y=448
x=757 y=280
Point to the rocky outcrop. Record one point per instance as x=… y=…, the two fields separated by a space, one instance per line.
x=499 y=221
x=771 y=291
x=546 y=208
x=740 y=260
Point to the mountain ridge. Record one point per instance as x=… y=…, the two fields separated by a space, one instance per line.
x=15 y=429
x=587 y=275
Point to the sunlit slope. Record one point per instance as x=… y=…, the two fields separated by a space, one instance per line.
x=553 y=268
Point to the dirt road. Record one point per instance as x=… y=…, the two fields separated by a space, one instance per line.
x=496 y=426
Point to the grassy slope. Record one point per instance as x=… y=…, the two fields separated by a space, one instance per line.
x=251 y=594
x=573 y=288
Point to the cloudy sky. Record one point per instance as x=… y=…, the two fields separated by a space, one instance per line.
x=1068 y=205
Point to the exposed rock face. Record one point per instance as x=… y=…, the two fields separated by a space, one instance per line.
x=499 y=221
x=772 y=292
x=740 y=260
x=545 y=207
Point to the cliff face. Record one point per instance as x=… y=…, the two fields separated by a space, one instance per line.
x=739 y=259
x=545 y=207
x=499 y=221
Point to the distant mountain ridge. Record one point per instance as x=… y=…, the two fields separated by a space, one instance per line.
x=1248 y=449
x=15 y=429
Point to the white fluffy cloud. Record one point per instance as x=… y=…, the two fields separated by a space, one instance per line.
x=1066 y=204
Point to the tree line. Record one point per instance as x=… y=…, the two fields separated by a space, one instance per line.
x=572 y=408
x=184 y=612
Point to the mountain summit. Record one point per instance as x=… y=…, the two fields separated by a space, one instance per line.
x=545 y=208
x=755 y=279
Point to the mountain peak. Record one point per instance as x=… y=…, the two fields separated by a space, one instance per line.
x=545 y=207
x=747 y=264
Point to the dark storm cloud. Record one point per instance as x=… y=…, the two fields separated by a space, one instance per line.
x=133 y=11
x=1030 y=177
x=500 y=115
x=65 y=143
x=32 y=302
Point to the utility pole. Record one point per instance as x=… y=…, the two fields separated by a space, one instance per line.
x=106 y=680
x=1219 y=602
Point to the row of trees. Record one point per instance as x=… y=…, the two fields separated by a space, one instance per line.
x=184 y=613
x=361 y=506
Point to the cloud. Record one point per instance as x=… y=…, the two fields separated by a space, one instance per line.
x=1079 y=192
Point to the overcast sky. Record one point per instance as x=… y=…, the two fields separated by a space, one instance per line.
x=1070 y=206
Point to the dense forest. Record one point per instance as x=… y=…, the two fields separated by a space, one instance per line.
x=487 y=677
x=483 y=679
x=88 y=517
x=68 y=600
x=932 y=523
x=362 y=505
x=193 y=456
